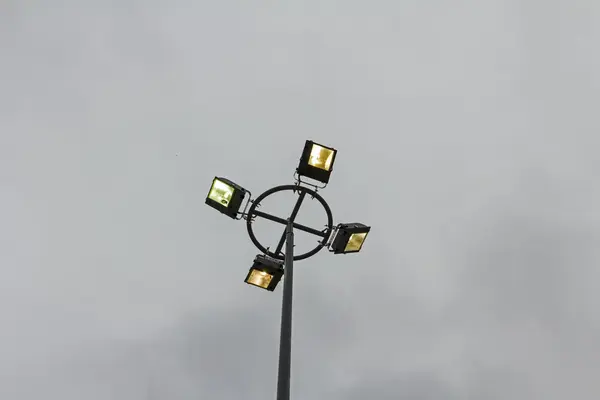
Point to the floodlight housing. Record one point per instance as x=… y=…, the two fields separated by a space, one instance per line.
x=225 y=196
x=316 y=161
x=265 y=273
x=349 y=238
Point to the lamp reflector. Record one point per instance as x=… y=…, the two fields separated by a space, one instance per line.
x=221 y=192
x=355 y=242
x=260 y=278
x=321 y=157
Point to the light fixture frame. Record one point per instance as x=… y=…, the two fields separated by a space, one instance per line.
x=268 y=265
x=309 y=171
x=344 y=233
x=237 y=198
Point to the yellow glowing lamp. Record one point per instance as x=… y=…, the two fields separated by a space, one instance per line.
x=316 y=161
x=349 y=238
x=355 y=242
x=221 y=192
x=258 y=278
x=321 y=157
x=225 y=196
x=265 y=273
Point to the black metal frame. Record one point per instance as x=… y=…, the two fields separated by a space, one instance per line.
x=302 y=192
x=287 y=239
x=288 y=257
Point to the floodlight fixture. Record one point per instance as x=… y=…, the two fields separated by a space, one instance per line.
x=225 y=196
x=316 y=161
x=349 y=238
x=265 y=273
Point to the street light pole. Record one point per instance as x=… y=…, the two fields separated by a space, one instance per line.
x=285 y=340
x=268 y=267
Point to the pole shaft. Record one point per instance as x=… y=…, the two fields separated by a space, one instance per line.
x=285 y=340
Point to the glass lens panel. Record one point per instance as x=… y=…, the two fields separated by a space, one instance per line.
x=320 y=157
x=221 y=192
x=355 y=242
x=260 y=278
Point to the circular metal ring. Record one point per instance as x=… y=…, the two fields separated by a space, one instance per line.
x=294 y=188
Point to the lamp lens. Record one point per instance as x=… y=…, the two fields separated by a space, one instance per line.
x=221 y=192
x=260 y=278
x=355 y=242
x=321 y=157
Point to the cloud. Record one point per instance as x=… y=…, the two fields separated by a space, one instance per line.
x=409 y=386
x=467 y=138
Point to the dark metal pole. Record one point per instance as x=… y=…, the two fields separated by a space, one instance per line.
x=285 y=340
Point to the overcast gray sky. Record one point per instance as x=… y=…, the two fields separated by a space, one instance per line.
x=468 y=137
